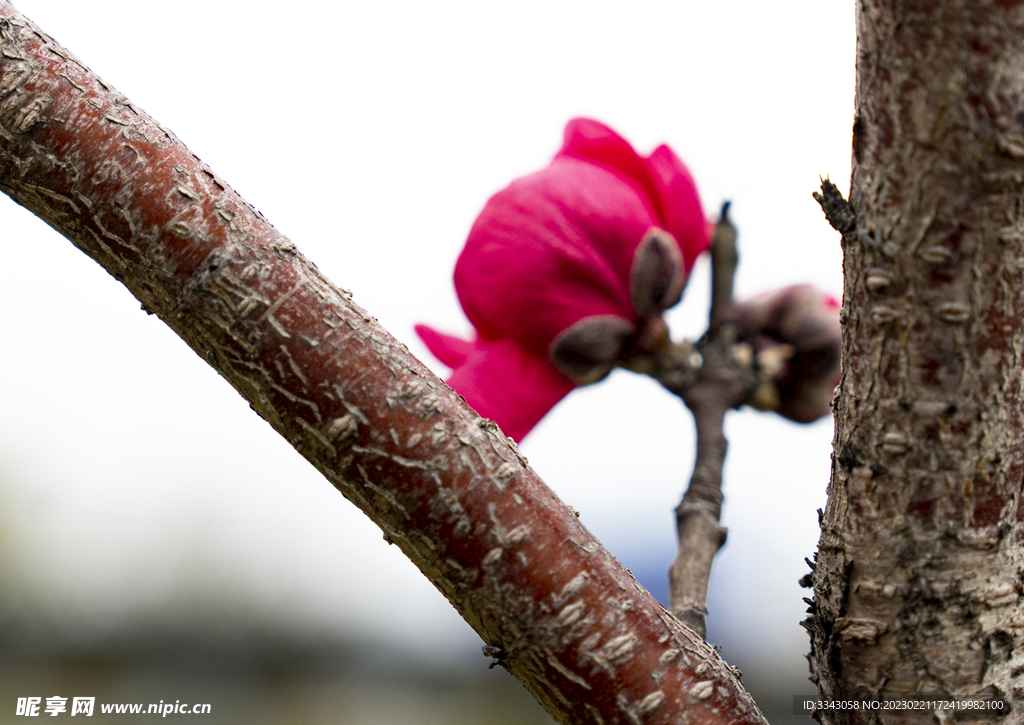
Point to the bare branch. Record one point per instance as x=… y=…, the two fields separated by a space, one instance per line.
x=725 y=378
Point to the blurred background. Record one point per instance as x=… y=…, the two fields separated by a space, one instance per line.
x=158 y=541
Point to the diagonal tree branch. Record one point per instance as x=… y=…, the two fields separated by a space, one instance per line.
x=447 y=487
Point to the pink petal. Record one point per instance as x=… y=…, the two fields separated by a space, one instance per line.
x=683 y=217
x=662 y=178
x=450 y=350
x=592 y=141
x=552 y=248
x=515 y=389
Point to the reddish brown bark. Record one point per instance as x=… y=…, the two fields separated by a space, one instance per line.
x=444 y=485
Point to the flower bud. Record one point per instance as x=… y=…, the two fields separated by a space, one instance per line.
x=807 y=321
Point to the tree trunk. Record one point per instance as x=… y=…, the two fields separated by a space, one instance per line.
x=554 y=607
x=918 y=576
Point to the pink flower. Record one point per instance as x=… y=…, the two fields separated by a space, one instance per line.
x=567 y=271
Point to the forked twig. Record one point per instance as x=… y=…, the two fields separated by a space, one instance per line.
x=723 y=374
x=741 y=359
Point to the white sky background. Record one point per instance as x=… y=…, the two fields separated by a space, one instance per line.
x=372 y=134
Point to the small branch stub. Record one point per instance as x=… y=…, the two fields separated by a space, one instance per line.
x=838 y=211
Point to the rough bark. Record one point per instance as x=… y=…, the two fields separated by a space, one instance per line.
x=554 y=607
x=918 y=576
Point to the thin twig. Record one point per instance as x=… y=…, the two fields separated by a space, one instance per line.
x=726 y=378
x=700 y=533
